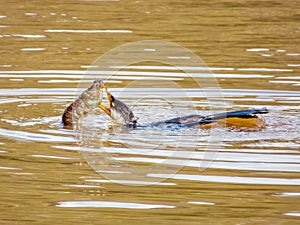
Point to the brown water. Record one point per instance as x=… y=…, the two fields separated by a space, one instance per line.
x=253 y=49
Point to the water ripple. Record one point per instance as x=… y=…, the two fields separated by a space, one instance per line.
x=88 y=31
x=292 y=214
x=254 y=166
x=110 y=204
x=201 y=203
x=230 y=179
x=28 y=136
x=9 y=168
x=131 y=182
x=135 y=74
x=29 y=35
x=133 y=92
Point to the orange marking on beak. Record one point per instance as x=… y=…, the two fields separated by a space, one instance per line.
x=109 y=98
x=107 y=110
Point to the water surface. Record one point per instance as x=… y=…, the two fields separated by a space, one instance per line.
x=149 y=176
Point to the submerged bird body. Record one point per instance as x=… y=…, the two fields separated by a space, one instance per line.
x=241 y=118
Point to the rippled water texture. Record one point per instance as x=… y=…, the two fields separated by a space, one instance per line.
x=105 y=174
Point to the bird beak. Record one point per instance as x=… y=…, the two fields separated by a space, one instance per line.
x=107 y=110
